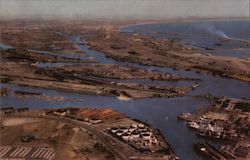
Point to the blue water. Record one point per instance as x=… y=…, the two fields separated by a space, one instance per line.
x=222 y=36
x=160 y=112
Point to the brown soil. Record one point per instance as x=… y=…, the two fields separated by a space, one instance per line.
x=147 y=50
x=74 y=139
x=22 y=71
x=103 y=114
x=106 y=37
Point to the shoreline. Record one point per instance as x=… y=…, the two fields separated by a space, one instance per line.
x=145 y=22
x=104 y=124
x=201 y=62
x=225 y=121
x=86 y=77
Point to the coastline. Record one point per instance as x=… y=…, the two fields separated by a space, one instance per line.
x=144 y=22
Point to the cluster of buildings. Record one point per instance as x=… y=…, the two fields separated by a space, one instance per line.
x=139 y=136
x=211 y=128
x=230 y=104
x=225 y=119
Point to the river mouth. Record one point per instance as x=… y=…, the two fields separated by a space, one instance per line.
x=160 y=112
x=223 y=38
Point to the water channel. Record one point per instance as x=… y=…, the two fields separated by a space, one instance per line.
x=159 y=112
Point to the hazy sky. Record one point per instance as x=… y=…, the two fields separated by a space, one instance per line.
x=146 y=9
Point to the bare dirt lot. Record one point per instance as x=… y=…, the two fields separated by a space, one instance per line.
x=67 y=141
x=78 y=133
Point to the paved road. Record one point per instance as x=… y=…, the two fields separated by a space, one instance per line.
x=99 y=134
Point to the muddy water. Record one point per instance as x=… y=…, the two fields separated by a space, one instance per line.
x=160 y=112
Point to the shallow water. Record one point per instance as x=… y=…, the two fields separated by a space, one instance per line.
x=160 y=112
